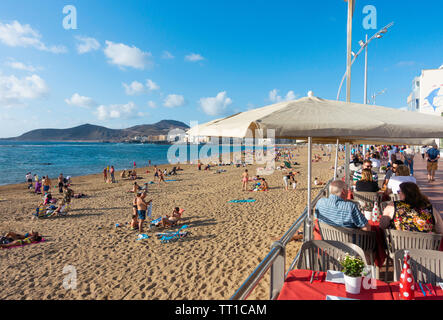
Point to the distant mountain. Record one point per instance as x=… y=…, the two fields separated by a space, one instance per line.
x=89 y=132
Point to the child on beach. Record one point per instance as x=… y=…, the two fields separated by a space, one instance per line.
x=245 y=179
x=134 y=221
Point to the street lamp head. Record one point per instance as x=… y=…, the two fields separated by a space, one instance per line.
x=361 y=43
x=379 y=36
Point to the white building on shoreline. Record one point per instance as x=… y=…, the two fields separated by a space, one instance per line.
x=427 y=94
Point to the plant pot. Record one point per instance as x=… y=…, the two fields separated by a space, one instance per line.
x=352 y=284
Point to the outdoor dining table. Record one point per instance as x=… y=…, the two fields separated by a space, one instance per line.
x=297 y=286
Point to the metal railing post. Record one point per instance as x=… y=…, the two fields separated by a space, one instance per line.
x=277 y=270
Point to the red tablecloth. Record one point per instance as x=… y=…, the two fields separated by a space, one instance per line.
x=380 y=252
x=418 y=293
x=298 y=287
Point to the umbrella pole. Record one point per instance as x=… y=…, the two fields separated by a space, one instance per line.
x=336 y=161
x=347 y=160
x=309 y=220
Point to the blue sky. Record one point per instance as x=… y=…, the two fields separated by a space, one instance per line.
x=144 y=61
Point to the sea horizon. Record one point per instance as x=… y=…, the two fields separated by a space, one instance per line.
x=84 y=158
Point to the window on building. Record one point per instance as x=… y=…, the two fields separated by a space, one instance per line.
x=417 y=103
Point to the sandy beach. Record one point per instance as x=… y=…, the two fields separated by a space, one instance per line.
x=226 y=243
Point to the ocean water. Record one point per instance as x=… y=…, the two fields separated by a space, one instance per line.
x=82 y=158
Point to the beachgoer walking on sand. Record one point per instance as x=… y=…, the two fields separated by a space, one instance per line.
x=105 y=174
x=142 y=207
x=135 y=165
x=245 y=179
x=161 y=176
x=156 y=176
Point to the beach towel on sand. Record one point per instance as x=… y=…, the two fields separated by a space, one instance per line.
x=150 y=210
x=241 y=201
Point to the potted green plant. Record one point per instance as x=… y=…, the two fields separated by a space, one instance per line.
x=352 y=269
x=383 y=169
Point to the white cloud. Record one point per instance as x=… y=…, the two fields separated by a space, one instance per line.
x=134 y=88
x=194 y=57
x=151 y=85
x=87 y=44
x=152 y=104
x=167 y=55
x=117 y=111
x=274 y=97
x=290 y=95
x=174 y=100
x=80 y=101
x=216 y=105
x=21 y=66
x=14 y=90
x=125 y=56
x=18 y=35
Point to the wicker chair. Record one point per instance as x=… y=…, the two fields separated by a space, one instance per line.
x=320 y=255
x=426 y=265
x=366 y=240
x=399 y=240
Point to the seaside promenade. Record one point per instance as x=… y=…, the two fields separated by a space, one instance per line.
x=434 y=190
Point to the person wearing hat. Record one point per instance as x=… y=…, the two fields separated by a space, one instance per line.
x=433 y=154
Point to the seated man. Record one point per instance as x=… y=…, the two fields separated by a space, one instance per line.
x=367 y=164
x=391 y=171
x=336 y=211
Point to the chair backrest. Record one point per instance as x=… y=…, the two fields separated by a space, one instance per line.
x=366 y=240
x=366 y=196
x=394 y=197
x=398 y=240
x=366 y=199
x=320 y=255
x=426 y=265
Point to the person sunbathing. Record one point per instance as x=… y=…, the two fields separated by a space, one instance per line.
x=123 y=174
x=135 y=188
x=169 y=221
x=66 y=201
x=12 y=239
x=318 y=182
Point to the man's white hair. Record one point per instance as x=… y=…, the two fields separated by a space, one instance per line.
x=336 y=187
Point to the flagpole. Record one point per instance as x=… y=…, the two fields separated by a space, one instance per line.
x=349 y=50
